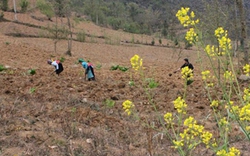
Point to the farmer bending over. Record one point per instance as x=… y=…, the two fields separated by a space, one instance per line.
x=58 y=66
x=89 y=70
x=186 y=63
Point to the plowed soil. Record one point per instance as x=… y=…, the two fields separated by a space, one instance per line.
x=45 y=114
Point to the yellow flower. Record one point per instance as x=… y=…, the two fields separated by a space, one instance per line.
x=187 y=73
x=186 y=19
x=191 y=36
x=232 y=152
x=246 y=69
x=215 y=103
x=206 y=137
x=180 y=105
x=228 y=75
x=245 y=113
x=168 y=117
x=136 y=62
x=128 y=106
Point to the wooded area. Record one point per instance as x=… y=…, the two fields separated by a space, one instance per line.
x=155 y=17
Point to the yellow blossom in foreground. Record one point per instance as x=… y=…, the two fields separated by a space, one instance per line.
x=186 y=19
x=246 y=69
x=136 y=62
x=180 y=105
x=187 y=73
x=128 y=106
x=232 y=152
x=191 y=36
x=224 y=41
x=245 y=113
x=211 y=50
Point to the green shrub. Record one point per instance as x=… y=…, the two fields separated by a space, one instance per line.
x=109 y=103
x=62 y=59
x=24 y=5
x=81 y=36
x=45 y=8
x=32 y=71
x=2 y=68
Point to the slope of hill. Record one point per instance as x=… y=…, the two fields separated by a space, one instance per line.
x=45 y=114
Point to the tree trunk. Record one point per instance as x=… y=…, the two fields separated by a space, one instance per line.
x=69 y=38
x=243 y=36
x=14 y=5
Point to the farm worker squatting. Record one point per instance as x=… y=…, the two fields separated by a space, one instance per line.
x=89 y=70
x=58 y=66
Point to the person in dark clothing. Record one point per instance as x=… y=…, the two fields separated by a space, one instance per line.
x=190 y=66
x=186 y=63
x=58 y=66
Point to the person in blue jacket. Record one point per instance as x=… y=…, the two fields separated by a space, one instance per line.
x=89 y=70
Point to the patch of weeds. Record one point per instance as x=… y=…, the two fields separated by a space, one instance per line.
x=151 y=83
x=109 y=103
x=32 y=90
x=62 y=59
x=98 y=66
x=7 y=43
x=121 y=68
x=131 y=83
x=81 y=36
x=2 y=68
x=32 y=71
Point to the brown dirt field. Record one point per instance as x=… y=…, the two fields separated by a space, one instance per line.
x=66 y=115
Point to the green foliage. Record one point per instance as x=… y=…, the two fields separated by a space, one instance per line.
x=160 y=41
x=62 y=59
x=153 y=42
x=7 y=43
x=98 y=66
x=121 y=68
x=32 y=90
x=32 y=71
x=151 y=83
x=81 y=36
x=109 y=103
x=2 y=68
x=57 y=32
x=24 y=5
x=45 y=8
x=114 y=67
x=4 y=5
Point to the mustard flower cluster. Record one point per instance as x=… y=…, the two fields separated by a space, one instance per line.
x=246 y=69
x=191 y=36
x=223 y=123
x=136 y=62
x=211 y=50
x=168 y=117
x=128 y=106
x=187 y=74
x=232 y=152
x=186 y=19
x=224 y=41
x=193 y=135
x=180 y=105
x=245 y=113
x=207 y=77
x=228 y=75
x=214 y=104
x=246 y=96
